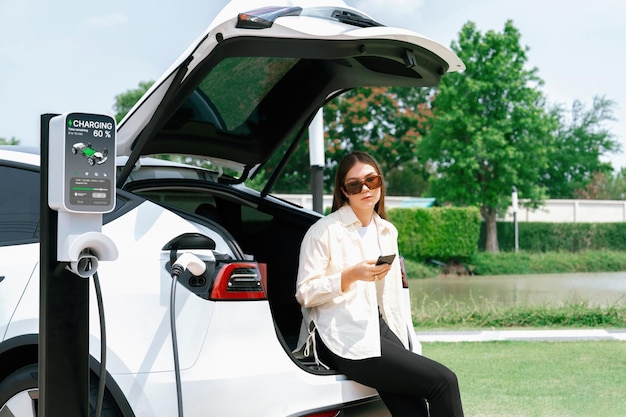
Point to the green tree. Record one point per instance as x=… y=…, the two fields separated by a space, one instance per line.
x=11 y=141
x=407 y=179
x=489 y=130
x=386 y=122
x=580 y=140
x=125 y=101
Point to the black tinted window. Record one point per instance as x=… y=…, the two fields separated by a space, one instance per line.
x=237 y=85
x=19 y=205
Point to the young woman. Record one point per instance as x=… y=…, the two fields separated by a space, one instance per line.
x=352 y=307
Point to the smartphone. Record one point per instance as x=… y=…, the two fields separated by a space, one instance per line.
x=385 y=259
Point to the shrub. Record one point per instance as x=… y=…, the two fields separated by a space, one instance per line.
x=559 y=237
x=444 y=233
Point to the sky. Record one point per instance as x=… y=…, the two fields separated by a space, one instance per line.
x=77 y=55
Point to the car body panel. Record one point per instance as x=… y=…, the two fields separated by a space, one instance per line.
x=14 y=279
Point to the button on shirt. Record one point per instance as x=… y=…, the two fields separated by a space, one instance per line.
x=347 y=322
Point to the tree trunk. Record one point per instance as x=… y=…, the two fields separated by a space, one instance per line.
x=491 y=232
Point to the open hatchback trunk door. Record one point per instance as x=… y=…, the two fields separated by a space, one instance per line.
x=257 y=75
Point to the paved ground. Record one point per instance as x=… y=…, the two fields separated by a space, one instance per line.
x=537 y=335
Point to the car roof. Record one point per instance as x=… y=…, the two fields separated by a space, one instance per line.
x=31 y=155
x=240 y=91
x=20 y=154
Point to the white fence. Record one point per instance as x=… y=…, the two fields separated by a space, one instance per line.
x=554 y=211
x=573 y=211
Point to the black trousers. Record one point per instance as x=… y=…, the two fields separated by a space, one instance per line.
x=404 y=380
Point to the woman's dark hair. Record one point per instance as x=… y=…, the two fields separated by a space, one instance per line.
x=346 y=164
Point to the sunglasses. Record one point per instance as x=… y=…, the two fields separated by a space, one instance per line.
x=355 y=187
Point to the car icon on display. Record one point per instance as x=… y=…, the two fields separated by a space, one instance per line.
x=93 y=157
x=245 y=90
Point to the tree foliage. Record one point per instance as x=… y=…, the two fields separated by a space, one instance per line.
x=580 y=140
x=386 y=122
x=12 y=141
x=489 y=130
x=125 y=101
x=603 y=186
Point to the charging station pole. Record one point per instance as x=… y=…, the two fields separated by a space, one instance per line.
x=63 y=316
x=77 y=186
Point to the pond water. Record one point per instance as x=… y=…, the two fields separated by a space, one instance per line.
x=597 y=289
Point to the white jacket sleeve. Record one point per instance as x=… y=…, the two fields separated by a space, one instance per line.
x=315 y=285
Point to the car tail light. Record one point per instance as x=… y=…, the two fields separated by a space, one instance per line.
x=405 y=283
x=238 y=281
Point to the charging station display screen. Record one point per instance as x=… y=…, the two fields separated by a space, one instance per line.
x=90 y=192
x=86 y=146
x=90 y=139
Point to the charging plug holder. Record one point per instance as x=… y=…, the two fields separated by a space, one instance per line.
x=81 y=243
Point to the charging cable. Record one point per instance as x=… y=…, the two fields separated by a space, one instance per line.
x=186 y=261
x=83 y=269
x=103 y=346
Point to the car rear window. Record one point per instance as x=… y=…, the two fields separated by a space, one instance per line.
x=237 y=85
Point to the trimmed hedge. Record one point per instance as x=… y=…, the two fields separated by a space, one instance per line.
x=456 y=234
x=442 y=233
x=559 y=237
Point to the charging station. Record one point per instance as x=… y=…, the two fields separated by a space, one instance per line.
x=78 y=185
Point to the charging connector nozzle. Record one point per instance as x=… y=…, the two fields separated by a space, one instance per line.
x=188 y=261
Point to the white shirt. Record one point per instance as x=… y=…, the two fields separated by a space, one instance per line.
x=369 y=237
x=347 y=321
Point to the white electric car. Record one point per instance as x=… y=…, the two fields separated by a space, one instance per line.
x=251 y=82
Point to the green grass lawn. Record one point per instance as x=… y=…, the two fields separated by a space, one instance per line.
x=538 y=379
x=487 y=314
